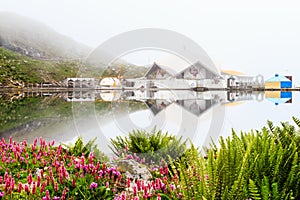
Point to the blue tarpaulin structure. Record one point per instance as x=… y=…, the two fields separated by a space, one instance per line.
x=278 y=81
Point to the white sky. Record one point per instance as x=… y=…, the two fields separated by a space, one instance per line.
x=250 y=36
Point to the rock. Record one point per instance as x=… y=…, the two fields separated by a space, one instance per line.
x=134 y=170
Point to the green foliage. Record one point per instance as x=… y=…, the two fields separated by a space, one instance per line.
x=258 y=165
x=79 y=148
x=253 y=190
x=127 y=71
x=152 y=146
x=16 y=67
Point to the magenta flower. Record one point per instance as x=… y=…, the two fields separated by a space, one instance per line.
x=47 y=195
x=29 y=179
x=20 y=187
x=158 y=197
x=1 y=194
x=93 y=185
x=172 y=187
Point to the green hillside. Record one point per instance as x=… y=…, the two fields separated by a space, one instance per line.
x=17 y=69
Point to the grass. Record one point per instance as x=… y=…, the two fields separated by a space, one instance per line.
x=15 y=67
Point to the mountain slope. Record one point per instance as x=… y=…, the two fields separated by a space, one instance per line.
x=33 y=38
x=17 y=69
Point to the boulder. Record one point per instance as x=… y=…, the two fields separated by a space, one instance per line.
x=134 y=170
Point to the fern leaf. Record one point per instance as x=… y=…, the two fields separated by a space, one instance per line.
x=271 y=126
x=253 y=190
x=297 y=121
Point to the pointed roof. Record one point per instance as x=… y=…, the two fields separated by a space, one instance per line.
x=156 y=67
x=213 y=70
x=278 y=79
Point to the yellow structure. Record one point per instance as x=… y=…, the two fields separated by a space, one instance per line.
x=232 y=72
x=275 y=85
x=273 y=94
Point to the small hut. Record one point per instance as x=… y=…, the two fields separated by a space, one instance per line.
x=278 y=82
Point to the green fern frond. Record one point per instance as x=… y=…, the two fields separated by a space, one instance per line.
x=253 y=190
x=271 y=126
x=297 y=121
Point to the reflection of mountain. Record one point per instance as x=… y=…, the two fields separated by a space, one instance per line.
x=16 y=111
x=29 y=114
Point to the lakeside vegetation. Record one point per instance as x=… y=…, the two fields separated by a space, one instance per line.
x=260 y=164
x=17 y=69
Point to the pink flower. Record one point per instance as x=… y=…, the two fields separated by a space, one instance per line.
x=38 y=180
x=20 y=187
x=26 y=188
x=47 y=195
x=34 y=188
x=55 y=186
x=128 y=182
x=93 y=185
x=12 y=184
x=158 y=197
x=138 y=183
x=64 y=194
x=172 y=187
x=74 y=182
x=29 y=179
x=43 y=187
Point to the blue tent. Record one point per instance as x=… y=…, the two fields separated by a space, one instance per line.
x=284 y=82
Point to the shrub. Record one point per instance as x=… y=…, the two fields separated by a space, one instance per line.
x=152 y=147
x=79 y=149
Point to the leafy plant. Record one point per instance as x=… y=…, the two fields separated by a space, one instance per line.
x=79 y=148
x=258 y=165
x=152 y=146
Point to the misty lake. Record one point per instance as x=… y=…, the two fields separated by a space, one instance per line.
x=198 y=116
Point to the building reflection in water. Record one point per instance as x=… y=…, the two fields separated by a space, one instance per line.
x=195 y=102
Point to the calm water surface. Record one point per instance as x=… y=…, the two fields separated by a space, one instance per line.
x=198 y=116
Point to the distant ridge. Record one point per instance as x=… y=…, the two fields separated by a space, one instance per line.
x=37 y=40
